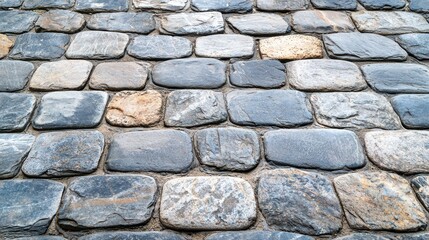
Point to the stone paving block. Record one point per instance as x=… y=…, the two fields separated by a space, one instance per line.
x=5 y=45
x=39 y=46
x=354 y=110
x=419 y=6
x=192 y=108
x=69 y=153
x=141 y=22
x=207 y=203
x=169 y=5
x=135 y=109
x=17 y=21
x=10 y=3
x=28 y=206
x=297 y=201
x=233 y=149
x=416 y=44
x=415 y=236
x=259 y=24
x=282 y=5
x=421 y=187
x=315 y=21
x=43 y=4
x=382 y=4
x=225 y=46
x=15 y=111
x=119 y=75
x=148 y=235
x=46 y=237
x=110 y=200
x=14 y=149
x=335 y=4
x=363 y=47
x=87 y=45
x=60 y=21
x=282 y=108
x=258 y=73
x=291 y=47
x=159 y=47
x=91 y=6
x=389 y=196
x=72 y=109
x=61 y=75
x=326 y=149
x=362 y=236
x=14 y=75
x=412 y=109
x=192 y=23
x=154 y=151
x=190 y=73
x=325 y=75
x=255 y=235
x=225 y=6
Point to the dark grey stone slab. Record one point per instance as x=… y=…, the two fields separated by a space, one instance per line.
x=416 y=44
x=39 y=46
x=225 y=6
x=413 y=110
x=282 y=5
x=151 y=151
x=36 y=4
x=335 y=4
x=363 y=236
x=258 y=73
x=138 y=22
x=60 y=21
x=382 y=4
x=419 y=5
x=13 y=148
x=14 y=75
x=91 y=6
x=15 y=111
x=28 y=206
x=159 y=47
x=192 y=23
x=71 y=109
x=259 y=24
x=17 y=21
x=10 y=3
x=283 y=108
x=107 y=201
x=190 y=73
x=149 y=235
x=257 y=235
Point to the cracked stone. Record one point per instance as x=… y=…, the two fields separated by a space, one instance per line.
x=149 y=235
x=159 y=47
x=5 y=45
x=416 y=44
x=225 y=46
x=17 y=21
x=224 y=6
x=14 y=148
x=14 y=75
x=91 y=6
x=169 y=5
x=383 y=4
x=43 y=4
x=60 y=21
x=412 y=109
x=335 y=4
x=15 y=111
x=258 y=73
x=259 y=24
x=257 y=235
x=291 y=47
x=192 y=23
x=140 y=22
x=315 y=21
x=39 y=46
x=282 y=5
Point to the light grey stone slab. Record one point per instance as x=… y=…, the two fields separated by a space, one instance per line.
x=225 y=46
x=14 y=149
x=192 y=23
x=139 y=22
x=259 y=24
x=159 y=47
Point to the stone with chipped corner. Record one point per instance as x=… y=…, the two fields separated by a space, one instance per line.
x=14 y=149
x=292 y=47
x=316 y=21
x=39 y=46
x=159 y=47
x=259 y=24
x=141 y=22
x=15 y=111
x=60 y=21
x=225 y=46
x=192 y=23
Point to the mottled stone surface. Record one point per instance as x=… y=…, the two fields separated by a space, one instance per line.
x=335 y=4
x=257 y=235
x=135 y=109
x=60 y=21
x=191 y=108
x=419 y=6
x=291 y=47
x=101 y=5
x=420 y=185
x=259 y=24
x=39 y=46
x=5 y=45
x=148 y=235
x=64 y=74
x=413 y=110
x=141 y=22
x=354 y=110
x=415 y=236
x=225 y=6
x=58 y=110
x=325 y=75
x=192 y=23
x=225 y=46
x=190 y=73
x=45 y=237
x=68 y=153
x=13 y=149
x=258 y=73
x=14 y=75
x=315 y=21
x=17 y=21
x=15 y=111
x=36 y=4
x=283 y=108
x=208 y=203
x=297 y=201
x=28 y=206
x=382 y=4
x=111 y=200
x=416 y=44
x=389 y=196
x=169 y=5
x=154 y=151
x=282 y=5
x=363 y=46
x=10 y=3
x=362 y=236
x=159 y=47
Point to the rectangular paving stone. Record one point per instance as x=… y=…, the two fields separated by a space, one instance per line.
x=416 y=44
x=60 y=21
x=259 y=24
x=282 y=5
x=292 y=47
x=258 y=73
x=15 y=111
x=155 y=235
x=119 y=76
x=14 y=75
x=159 y=47
x=419 y=6
x=39 y=46
x=169 y=5
x=10 y=3
x=225 y=6
x=335 y=4
x=254 y=234
x=225 y=46
x=382 y=4
x=91 y=6
x=14 y=149
x=192 y=23
x=37 y=4
x=412 y=109
x=315 y=21
x=140 y=22
x=362 y=236
x=17 y=21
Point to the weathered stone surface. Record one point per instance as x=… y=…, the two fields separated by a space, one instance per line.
x=382 y=4
x=259 y=24
x=17 y=21
x=420 y=185
x=154 y=151
x=258 y=73
x=64 y=74
x=225 y=6
x=46 y=237
x=315 y=21
x=291 y=47
x=135 y=22
x=282 y=5
x=10 y=3
x=416 y=236
x=72 y=109
x=159 y=47
x=335 y=4
x=413 y=110
x=419 y=6
x=60 y=21
x=149 y=235
x=354 y=110
x=15 y=111
x=208 y=203
x=39 y=46
x=416 y=44
x=68 y=153
x=110 y=200
x=325 y=75
x=191 y=108
x=297 y=201
x=400 y=151
x=257 y=235
x=169 y=5
x=14 y=75
x=13 y=148
x=86 y=45
x=192 y=23
x=362 y=46
x=101 y=5
x=232 y=149
x=36 y=4
x=28 y=206
x=362 y=236
x=225 y=46
x=119 y=75
x=389 y=196
x=283 y=108
x=190 y=73
x=135 y=109
x=5 y=45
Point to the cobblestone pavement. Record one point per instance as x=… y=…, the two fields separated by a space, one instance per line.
x=214 y=119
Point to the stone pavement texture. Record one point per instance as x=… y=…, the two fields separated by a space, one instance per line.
x=214 y=119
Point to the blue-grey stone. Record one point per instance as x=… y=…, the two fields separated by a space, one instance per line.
x=13 y=148
x=283 y=108
x=397 y=77
x=35 y=4
x=363 y=236
x=420 y=185
x=46 y=237
x=15 y=111
x=411 y=236
x=335 y=4
x=71 y=109
x=28 y=206
x=159 y=47
x=39 y=46
x=10 y=3
x=412 y=109
x=149 y=235
x=258 y=73
x=225 y=6
x=282 y=5
x=419 y=5
x=60 y=21
x=382 y=4
x=14 y=75
x=416 y=44
x=259 y=24
x=190 y=73
x=101 y=6
x=17 y=21
x=107 y=201
x=139 y=22
x=257 y=235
